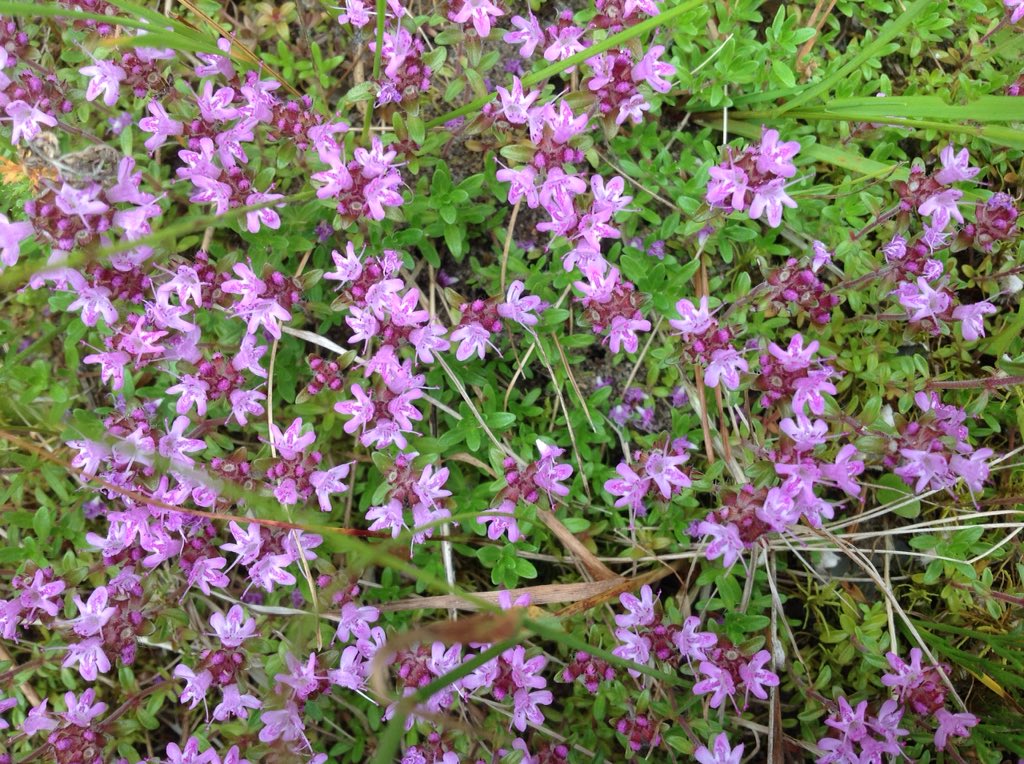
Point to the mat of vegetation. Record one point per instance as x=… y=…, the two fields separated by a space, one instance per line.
x=487 y=381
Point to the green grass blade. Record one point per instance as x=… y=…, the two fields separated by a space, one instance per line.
x=889 y=32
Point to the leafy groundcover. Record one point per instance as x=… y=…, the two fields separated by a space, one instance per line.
x=501 y=381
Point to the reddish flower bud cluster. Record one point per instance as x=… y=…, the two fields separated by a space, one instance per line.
x=799 y=290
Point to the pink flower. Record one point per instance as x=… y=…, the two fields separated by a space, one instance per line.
x=234 y=704
x=526 y=707
x=480 y=11
x=694 y=321
x=528 y=36
x=923 y=302
x=235 y=628
x=106 y=78
x=92 y=616
x=771 y=198
x=774 y=157
x=640 y=612
x=726 y=365
x=328 y=482
x=473 y=339
x=196 y=685
x=941 y=207
x=26 y=121
x=515 y=104
x=160 y=124
x=566 y=43
x=629 y=487
x=972 y=325
x=755 y=678
x=292 y=442
x=693 y=643
x=717 y=681
x=720 y=752
x=11 y=237
x=953 y=724
x=523 y=185
x=804 y=433
x=265 y=216
x=622 y=333
x=728 y=187
x=654 y=72
x=89 y=657
x=955 y=166
x=501 y=520
x=725 y=542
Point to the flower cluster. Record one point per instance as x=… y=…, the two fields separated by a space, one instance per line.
x=650 y=476
x=709 y=343
x=932 y=452
x=755 y=181
x=526 y=484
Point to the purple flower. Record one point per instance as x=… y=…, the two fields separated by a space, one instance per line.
x=771 y=198
x=26 y=121
x=654 y=72
x=480 y=12
x=727 y=183
x=11 y=237
x=160 y=124
x=234 y=704
x=774 y=157
x=955 y=166
x=38 y=720
x=622 y=333
x=82 y=709
x=92 y=616
x=38 y=594
x=519 y=308
x=6 y=704
x=89 y=657
x=514 y=104
x=726 y=365
x=630 y=487
x=326 y=482
x=972 y=323
x=189 y=754
x=265 y=216
x=106 y=78
x=725 y=542
x=922 y=301
x=502 y=522
x=473 y=339
x=694 y=321
x=528 y=36
x=640 y=611
x=291 y=443
x=941 y=207
x=526 y=707
x=196 y=685
x=805 y=434
x=952 y=724
x=284 y=724
x=301 y=677
x=755 y=677
x=692 y=643
x=234 y=629
x=720 y=752
x=717 y=681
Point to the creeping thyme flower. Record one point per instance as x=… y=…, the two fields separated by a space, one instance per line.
x=760 y=173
